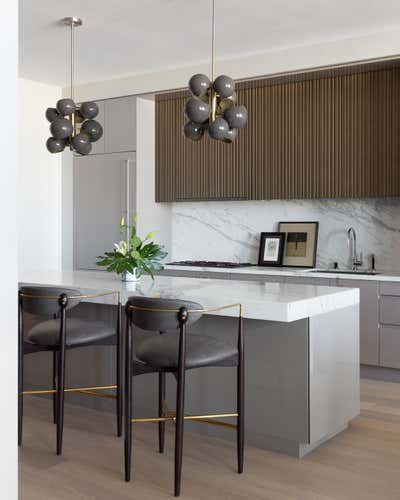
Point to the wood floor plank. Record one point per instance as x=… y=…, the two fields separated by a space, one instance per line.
x=361 y=463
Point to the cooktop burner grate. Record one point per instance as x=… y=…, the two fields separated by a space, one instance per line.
x=210 y=263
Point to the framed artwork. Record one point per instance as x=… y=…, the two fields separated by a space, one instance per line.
x=271 y=249
x=300 y=243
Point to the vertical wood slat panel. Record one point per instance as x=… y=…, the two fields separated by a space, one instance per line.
x=332 y=137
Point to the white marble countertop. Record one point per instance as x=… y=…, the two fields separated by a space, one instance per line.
x=264 y=301
x=288 y=271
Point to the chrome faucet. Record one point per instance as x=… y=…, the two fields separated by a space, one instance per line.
x=356 y=261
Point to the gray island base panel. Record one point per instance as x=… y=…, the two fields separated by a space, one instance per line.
x=302 y=356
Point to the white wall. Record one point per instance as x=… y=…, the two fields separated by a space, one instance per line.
x=8 y=250
x=152 y=215
x=39 y=181
x=376 y=45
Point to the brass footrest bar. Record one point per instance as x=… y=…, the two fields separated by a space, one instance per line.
x=96 y=395
x=82 y=390
x=200 y=418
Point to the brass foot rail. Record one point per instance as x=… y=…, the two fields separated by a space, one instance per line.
x=89 y=391
x=200 y=418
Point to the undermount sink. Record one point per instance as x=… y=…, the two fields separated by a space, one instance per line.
x=368 y=272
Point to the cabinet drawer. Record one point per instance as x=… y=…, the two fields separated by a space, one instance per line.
x=186 y=273
x=389 y=310
x=258 y=277
x=312 y=281
x=390 y=346
x=389 y=288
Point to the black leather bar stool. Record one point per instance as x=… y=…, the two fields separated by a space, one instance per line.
x=173 y=350
x=57 y=335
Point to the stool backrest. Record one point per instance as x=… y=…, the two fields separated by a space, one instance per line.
x=44 y=300
x=158 y=315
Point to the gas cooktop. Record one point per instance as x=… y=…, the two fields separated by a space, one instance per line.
x=210 y=263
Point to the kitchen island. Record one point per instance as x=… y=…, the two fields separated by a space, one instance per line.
x=301 y=354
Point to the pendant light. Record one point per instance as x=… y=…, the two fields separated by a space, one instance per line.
x=213 y=105
x=70 y=124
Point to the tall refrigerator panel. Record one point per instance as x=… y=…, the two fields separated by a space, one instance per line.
x=104 y=191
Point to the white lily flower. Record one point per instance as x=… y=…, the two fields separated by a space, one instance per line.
x=121 y=247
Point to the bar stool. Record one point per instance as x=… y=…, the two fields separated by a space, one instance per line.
x=173 y=351
x=57 y=335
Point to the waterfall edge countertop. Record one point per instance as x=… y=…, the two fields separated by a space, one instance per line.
x=262 y=301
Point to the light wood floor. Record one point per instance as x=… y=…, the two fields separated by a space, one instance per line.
x=362 y=463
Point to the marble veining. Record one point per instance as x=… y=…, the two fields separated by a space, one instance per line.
x=230 y=230
x=260 y=300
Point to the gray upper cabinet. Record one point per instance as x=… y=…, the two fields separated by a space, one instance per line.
x=98 y=147
x=120 y=124
x=369 y=319
x=100 y=199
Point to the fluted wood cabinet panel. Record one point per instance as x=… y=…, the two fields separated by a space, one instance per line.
x=330 y=137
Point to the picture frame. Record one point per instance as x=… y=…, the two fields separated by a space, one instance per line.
x=301 y=243
x=271 y=249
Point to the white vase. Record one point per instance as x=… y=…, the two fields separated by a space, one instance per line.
x=135 y=276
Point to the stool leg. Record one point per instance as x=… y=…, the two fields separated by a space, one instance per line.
x=240 y=400
x=20 y=376
x=61 y=384
x=128 y=401
x=20 y=399
x=180 y=411
x=119 y=373
x=161 y=399
x=20 y=395
x=55 y=363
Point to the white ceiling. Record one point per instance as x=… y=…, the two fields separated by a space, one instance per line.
x=121 y=37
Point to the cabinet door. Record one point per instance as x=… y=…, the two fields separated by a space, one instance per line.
x=194 y=171
x=369 y=319
x=98 y=147
x=390 y=346
x=120 y=124
x=100 y=199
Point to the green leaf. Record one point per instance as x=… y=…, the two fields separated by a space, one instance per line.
x=135 y=241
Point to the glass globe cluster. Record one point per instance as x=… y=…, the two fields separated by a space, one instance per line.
x=64 y=120
x=213 y=107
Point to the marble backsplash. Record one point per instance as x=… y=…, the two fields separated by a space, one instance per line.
x=230 y=230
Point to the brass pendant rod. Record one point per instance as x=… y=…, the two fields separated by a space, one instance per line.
x=72 y=60
x=213 y=42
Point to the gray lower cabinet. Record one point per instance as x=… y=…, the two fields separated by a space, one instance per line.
x=100 y=199
x=304 y=280
x=258 y=277
x=186 y=273
x=390 y=346
x=120 y=124
x=389 y=320
x=369 y=319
